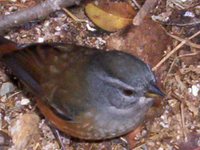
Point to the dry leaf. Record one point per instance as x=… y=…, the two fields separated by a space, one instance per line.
x=110 y=16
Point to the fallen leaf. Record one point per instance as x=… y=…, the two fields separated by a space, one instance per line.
x=110 y=16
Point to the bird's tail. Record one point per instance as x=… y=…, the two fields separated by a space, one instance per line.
x=6 y=46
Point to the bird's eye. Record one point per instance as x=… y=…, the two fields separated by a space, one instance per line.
x=128 y=92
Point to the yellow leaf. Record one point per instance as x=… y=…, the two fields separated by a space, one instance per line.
x=110 y=17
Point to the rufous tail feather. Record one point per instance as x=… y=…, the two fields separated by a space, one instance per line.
x=7 y=46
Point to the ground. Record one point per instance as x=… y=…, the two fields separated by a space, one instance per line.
x=178 y=125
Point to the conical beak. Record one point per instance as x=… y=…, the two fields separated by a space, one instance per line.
x=154 y=91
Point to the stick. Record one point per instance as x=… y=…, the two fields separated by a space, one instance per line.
x=146 y=8
x=39 y=11
x=174 y=50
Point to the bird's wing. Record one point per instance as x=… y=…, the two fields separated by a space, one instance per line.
x=50 y=72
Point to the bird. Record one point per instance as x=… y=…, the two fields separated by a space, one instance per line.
x=86 y=93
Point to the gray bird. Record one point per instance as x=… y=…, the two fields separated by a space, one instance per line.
x=86 y=93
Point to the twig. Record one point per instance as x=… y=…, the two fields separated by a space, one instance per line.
x=74 y=17
x=168 y=55
x=37 y=146
x=174 y=50
x=145 y=9
x=170 y=68
x=189 y=43
x=183 y=122
x=13 y=94
x=139 y=146
x=136 y=4
x=39 y=11
x=190 y=54
x=175 y=59
x=18 y=5
x=182 y=103
x=177 y=4
x=192 y=23
x=79 y=20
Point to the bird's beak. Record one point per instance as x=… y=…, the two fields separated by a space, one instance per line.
x=154 y=91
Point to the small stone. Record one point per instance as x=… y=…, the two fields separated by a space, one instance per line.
x=13 y=8
x=24 y=35
x=25 y=101
x=6 y=88
x=90 y=28
x=46 y=23
x=58 y=28
x=24 y=131
x=40 y=40
x=189 y=14
x=194 y=90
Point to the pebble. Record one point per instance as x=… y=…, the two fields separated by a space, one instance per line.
x=194 y=90
x=25 y=101
x=6 y=88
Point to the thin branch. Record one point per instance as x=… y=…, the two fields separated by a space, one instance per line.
x=190 y=54
x=39 y=11
x=145 y=9
x=189 y=43
x=174 y=50
x=192 y=23
x=74 y=17
x=136 y=4
x=184 y=130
